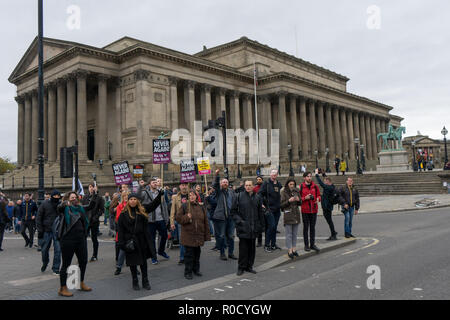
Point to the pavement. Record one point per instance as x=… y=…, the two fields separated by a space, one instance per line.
x=428 y=231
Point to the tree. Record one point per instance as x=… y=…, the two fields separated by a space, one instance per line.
x=5 y=165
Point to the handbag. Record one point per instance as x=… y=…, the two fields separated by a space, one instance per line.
x=130 y=246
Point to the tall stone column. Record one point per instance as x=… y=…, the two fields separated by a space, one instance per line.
x=378 y=130
x=351 y=136
x=46 y=122
x=102 y=137
x=117 y=146
x=247 y=111
x=189 y=105
x=234 y=110
x=368 y=138
x=268 y=121
x=173 y=81
x=82 y=114
x=282 y=124
x=321 y=130
x=294 y=126
x=313 y=127
x=205 y=103
x=304 y=128
x=27 y=124
x=61 y=117
x=220 y=101
x=71 y=117
x=330 y=134
x=34 y=126
x=52 y=128
x=344 y=135
x=362 y=130
x=20 y=130
x=337 y=131
x=374 y=138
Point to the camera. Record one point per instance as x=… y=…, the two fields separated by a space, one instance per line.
x=312 y=197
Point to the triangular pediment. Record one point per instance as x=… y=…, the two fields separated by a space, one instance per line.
x=29 y=60
x=122 y=44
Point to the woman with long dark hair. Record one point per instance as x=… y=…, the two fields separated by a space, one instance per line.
x=134 y=238
x=290 y=202
x=72 y=234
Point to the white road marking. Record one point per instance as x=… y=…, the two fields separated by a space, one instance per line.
x=246 y=280
x=229 y=287
x=188 y=298
x=238 y=284
x=417 y=289
x=219 y=290
x=357 y=287
x=375 y=242
x=291 y=267
x=282 y=270
x=23 y=282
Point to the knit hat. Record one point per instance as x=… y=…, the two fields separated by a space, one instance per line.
x=134 y=195
x=55 y=193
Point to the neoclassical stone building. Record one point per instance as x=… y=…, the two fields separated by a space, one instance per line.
x=115 y=99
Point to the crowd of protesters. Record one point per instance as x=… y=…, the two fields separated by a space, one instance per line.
x=182 y=216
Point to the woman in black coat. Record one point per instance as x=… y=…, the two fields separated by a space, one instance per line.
x=329 y=192
x=132 y=227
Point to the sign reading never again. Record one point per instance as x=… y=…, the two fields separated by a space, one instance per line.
x=187 y=171
x=161 y=151
x=122 y=174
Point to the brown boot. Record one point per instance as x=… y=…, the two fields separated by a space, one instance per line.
x=64 y=292
x=84 y=287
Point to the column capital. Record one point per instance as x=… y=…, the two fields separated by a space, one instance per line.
x=173 y=81
x=61 y=81
x=81 y=74
x=20 y=99
x=311 y=100
x=116 y=82
x=51 y=85
x=190 y=84
x=281 y=94
x=221 y=91
x=101 y=77
x=70 y=77
x=234 y=93
x=247 y=96
x=34 y=93
x=292 y=96
x=320 y=103
x=263 y=98
x=141 y=74
x=206 y=87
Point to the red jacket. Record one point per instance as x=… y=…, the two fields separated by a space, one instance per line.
x=256 y=188
x=119 y=210
x=309 y=206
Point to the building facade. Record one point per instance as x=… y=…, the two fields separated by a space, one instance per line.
x=114 y=100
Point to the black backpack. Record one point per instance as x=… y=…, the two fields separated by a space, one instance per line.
x=335 y=196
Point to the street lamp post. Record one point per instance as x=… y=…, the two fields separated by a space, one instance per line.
x=327 y=156
x=444 y=133
x=291 y=170
x=346 y=160
x=358 y=165
x=413 y=145
x=40 y=119
x=317 y=159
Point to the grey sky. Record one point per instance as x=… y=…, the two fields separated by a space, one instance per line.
x=404 y=64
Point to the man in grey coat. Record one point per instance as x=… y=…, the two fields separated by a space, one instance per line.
x=157 y=219
x=222 y=218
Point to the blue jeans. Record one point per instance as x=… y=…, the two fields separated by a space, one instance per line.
x=182 y=249
x=272 y=219
x=348 y=219
x=225 y=234
x=161 y=227
x=46 y=243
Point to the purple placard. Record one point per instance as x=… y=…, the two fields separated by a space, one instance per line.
x=122 y=174
x=161 y=151
x=187 y=171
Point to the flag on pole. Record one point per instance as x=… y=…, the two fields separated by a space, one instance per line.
x=79 y=189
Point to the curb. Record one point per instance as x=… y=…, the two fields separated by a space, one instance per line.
x=394 y=210
x=284 y=259
x=266 y=266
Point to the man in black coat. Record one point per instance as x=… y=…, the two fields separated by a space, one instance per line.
x=328 y=198
x=349 y=200
x=94 y=218
x=28 y=212
x=45 y=218
x=4 y=220
x=248 y=216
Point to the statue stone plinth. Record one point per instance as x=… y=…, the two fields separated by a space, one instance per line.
x=393 y=160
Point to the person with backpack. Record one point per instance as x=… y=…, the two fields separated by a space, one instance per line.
x=194 y=233
x=248 y=216
x=330 y=197
x=309 y=194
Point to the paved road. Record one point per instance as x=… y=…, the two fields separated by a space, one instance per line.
x=411 y=249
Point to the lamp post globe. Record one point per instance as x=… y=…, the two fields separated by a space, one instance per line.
x=444 y=133
x=327 y=155
x=291 y=170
